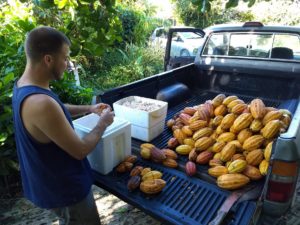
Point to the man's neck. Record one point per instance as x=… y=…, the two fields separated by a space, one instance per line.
x=34 y=76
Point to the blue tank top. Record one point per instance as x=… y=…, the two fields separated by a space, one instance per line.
x=51 y=178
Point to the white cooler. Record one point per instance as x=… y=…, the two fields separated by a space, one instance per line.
x=144 y=125
x=114 y=145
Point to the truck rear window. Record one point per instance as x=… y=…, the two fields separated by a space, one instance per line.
x=254 y=45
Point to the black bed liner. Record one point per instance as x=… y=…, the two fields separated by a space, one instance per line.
x=184 y=200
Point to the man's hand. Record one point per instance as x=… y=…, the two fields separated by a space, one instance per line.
x=99 y=108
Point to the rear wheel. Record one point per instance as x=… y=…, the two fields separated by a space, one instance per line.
x=184 y=52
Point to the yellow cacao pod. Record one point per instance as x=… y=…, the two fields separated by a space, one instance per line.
x=237 y=144
x=219 y=130
x=215 y=162
x=227 y=152
x=204 y=143
x=238 y=156
x=229 y=99
x=217 y=156
x=268 y=151
x=256 y=125
x=189 y=141
x=179 y=135
x=203 y=132
x=255 y=157
x=232 y=181
x=234 y=103
x=188 y=132
x=216 y=101
x=183 y=149
x=145 y=153
x=253 y=142
x=217 y=171
x=218 y=146
x=271 y=129
x=226 y=137
x=228 y=121
x=242 y=121
x=154 y=174
x=237 y=166
x=257 y=108
x=170 y=154
x=217 y=120
x=145 y=170
x=152 y=186
x=272 y=115
x=244 y=134
x=263 y=167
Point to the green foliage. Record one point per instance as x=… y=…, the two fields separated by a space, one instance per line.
x=119 y=67
x=200 y=13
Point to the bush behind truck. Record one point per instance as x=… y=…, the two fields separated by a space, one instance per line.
x=254 y=65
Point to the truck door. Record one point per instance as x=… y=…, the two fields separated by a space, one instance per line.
x=182 y=46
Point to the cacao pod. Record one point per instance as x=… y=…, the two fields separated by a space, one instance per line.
x=197 y=124
x=257 y=108
x=232 y=181
x=203 y=132
x=237 y=166
x=234 y=103
x=253 y=142
x=145 y=170
x=183 y=149
x=168 y=162
x=152 y=186
x=252 y=172
x=188 y=132
x=136 y=171
x=227 y=152
x=133 y=183
x=242 y=122
x=228 y=121
x=256 y=125
x=255 y=157
x=229 y=99
x=130 y=158
x=179 y=135
x=268 y=151
x=243 y=135
x=153 y=174
x=157 y=155
x=272 y=115
x=217 y=171
x=263 y=167
x=190 y=168
x=173 y=142
x=239 y=108
x=218 y=146
x=216 y=101
x=221 y=110
x=204 y=143
x=226 y=137
x=204 y=157
x=215 y=162
x=271 y=129
x=170 y=153
x=193 y=155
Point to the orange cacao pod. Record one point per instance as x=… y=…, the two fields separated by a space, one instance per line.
x=170 y=153
x=221 y=110
x=238 y=156
x=189 y=141
x=130 y=158
x=255 y=157
x=136 y=171
x=189 y=110
x=257 y=108
x=145 y=170
x=252 y=172
x=187 y=131
x=173 y=143
x=179 y=135
x=184 y=118
x=232 y=181
x=244 y=134
x=168 y=162
x=256 y=125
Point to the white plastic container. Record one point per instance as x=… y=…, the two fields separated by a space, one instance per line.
x=145 y=125
x=114 y=145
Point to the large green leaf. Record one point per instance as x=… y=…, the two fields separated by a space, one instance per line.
x=8 y=78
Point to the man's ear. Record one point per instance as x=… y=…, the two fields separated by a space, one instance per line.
x=48 y=59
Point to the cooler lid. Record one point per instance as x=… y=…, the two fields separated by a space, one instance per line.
x=88 y=122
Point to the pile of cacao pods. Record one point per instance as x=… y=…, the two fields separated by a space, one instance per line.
x=167 y=157
x=149 y=181
x=232 y=137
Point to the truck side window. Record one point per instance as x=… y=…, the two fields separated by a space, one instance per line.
x=286 y=46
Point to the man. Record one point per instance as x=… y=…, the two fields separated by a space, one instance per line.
x=54 y=169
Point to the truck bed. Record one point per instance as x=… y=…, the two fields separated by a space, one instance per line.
x=184 y=200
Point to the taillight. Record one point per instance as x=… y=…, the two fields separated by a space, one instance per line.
x=282 y=181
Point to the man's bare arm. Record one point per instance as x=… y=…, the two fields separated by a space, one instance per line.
x=77 y=110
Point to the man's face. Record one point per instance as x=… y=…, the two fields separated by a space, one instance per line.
x=60 y=63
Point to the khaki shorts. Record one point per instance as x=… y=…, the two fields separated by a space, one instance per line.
x=82 y=213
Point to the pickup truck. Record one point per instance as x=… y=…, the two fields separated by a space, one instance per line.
x=250 y=61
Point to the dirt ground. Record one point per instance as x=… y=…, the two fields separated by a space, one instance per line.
x=112 y=211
